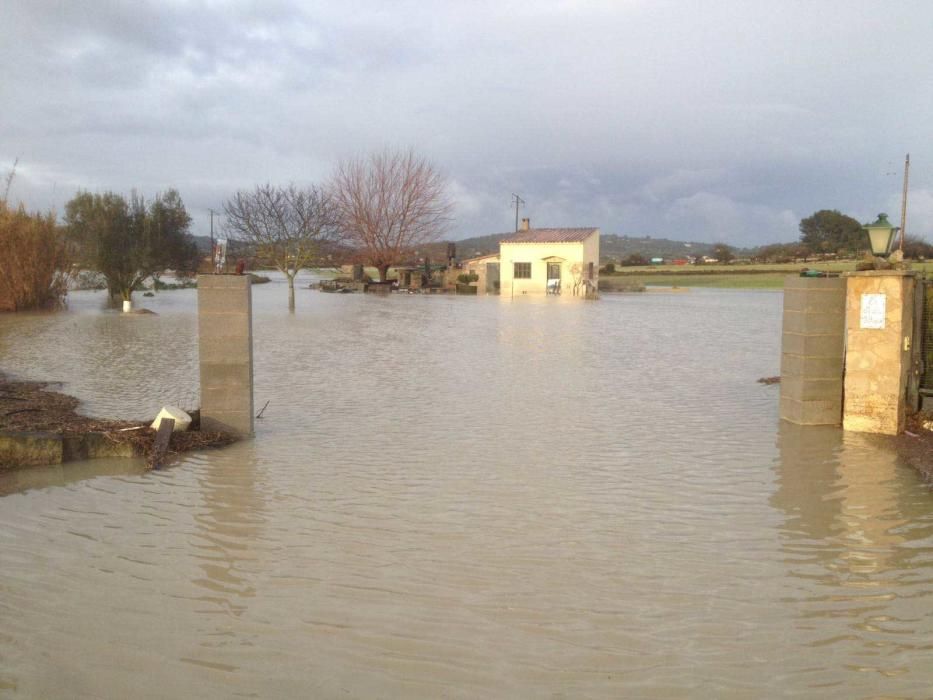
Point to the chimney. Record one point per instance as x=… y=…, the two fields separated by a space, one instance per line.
x=526 y=224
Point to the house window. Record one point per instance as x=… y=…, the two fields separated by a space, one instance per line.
x=589 y=271
x=522 y=271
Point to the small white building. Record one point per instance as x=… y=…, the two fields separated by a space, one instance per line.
x=561 y=261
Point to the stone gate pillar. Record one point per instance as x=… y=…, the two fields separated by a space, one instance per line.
x=225 y=345
x=879 y=322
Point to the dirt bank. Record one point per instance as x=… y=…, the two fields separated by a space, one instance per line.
x=29 y=407
x=916 y=445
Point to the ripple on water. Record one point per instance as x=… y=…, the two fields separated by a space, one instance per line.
x=464 y=497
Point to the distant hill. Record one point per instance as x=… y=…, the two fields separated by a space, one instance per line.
x=479 y=245
x=203 y=243
x=615 y=247
x=611 y=246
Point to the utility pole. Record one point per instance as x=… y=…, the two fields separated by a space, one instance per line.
x=904 y=201
x=212 y=231
x=517 y=201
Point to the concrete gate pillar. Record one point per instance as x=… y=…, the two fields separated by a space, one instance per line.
x=879 y=322
x=225 y=344
x=813 y=350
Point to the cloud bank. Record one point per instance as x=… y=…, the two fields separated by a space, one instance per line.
x=708 y=121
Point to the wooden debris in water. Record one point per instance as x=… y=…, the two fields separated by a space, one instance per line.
x=160 y=446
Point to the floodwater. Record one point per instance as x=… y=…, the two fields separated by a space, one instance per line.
x=463 y=497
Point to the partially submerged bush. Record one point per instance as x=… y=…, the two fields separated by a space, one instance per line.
x=182 y=283
x=34 y=263
x=89 y=280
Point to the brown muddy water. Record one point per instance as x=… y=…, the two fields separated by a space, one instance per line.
x=464 y=497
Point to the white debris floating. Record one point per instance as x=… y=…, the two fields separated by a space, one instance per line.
x=182 y=419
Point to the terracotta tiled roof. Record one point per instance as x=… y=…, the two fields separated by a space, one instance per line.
x=480 y=257
x=551 y=235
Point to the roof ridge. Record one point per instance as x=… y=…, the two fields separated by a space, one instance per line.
x=552 y=235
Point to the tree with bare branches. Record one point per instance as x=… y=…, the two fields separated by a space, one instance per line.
x=288 y=228
x=388 y=204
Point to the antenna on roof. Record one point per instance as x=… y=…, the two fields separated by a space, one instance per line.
x=517 y=202
x=904 y=202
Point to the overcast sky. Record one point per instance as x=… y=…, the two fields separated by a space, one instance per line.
x=694 y=120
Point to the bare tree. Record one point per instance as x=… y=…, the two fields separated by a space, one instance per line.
x=287 y=227
x=388 y=204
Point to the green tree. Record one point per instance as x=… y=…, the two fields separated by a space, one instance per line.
x=723 y=253
x=128 y=241
x=829 y=231
x=168 y=241
x=917 y=248
x=635 y=260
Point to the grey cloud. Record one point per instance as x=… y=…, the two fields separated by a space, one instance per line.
x=728 y=120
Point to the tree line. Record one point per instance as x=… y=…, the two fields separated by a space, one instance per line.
x=374 y=210
x=825 y=233
x=830 y=233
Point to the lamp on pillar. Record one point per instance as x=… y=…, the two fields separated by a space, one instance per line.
x=881 y=236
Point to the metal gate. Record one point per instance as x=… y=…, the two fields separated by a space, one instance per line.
x=926 y=339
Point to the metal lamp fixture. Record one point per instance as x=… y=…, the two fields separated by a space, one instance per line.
x=881 y=236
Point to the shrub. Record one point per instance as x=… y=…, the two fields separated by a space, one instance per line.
x=89 y=280
x=35 y=262
x=635 y=260
x=468 y=278
x=159 y=285
x=609 y=268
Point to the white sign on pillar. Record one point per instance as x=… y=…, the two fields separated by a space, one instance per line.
x=873 y=311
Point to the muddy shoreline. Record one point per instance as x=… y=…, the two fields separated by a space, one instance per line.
x=916 y=445
x=31 y=410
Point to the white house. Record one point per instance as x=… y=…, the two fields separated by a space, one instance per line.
x=561 y=261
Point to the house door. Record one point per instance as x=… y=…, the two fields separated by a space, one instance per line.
x=492 y=278
x=553 y=278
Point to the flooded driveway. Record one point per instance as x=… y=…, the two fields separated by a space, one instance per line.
x=463 y=497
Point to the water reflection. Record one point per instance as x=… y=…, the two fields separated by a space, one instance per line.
x=856 y=544
x=807 y=472
x=25 y=479
x=232 y=518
